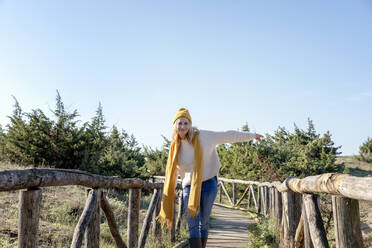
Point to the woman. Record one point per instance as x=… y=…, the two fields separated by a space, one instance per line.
x=193 y=155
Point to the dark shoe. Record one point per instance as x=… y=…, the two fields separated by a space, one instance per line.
x=204 y=242
x=195 y=243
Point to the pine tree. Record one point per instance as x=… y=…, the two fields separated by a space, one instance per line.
x=15 y=141
x=67 y=139
x=38 y=137
x=122 y=156
x=156 y=159
x=95 y=140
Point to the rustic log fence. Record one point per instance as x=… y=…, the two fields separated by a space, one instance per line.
x=87 y=230
x=293 y=204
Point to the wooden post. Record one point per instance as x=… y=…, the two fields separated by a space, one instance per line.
x=28 y=218
x=284 y=234
x=173 y=229
x=262 y=197
x=156 y=227
x=269 y=201
x=259 y=205
x=314 y=219
x=84 y=219
x=133 y=216
x=111 y=222
x=243 y=196
x=278 y=208
x=291 y=217
x=220 y=186
x=180 y=212
x=249 y=198
x=347 y=222
x=234 y=193
x=228 y=197
x=299 y=238
x=272 y=202
x=266 y=200
x=148 y=218
x=254 y=197
x=307 y=238
x=92 y=233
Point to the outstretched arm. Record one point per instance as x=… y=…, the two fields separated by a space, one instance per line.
x=232 y=137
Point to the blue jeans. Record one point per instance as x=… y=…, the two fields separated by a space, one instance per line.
x=198 y=226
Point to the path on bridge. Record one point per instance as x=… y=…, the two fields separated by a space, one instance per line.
x=228 y=228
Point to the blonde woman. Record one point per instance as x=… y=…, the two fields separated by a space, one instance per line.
x=193 y=156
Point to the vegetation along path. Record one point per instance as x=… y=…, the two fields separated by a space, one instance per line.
x=228 y=228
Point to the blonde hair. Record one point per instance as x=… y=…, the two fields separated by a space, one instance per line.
x=190 y=134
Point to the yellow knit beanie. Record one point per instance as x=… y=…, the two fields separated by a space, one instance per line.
x=182 y=112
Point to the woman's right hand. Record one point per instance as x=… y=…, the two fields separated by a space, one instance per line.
x=258 y=137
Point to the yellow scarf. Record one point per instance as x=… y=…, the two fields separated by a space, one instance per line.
x=166 y=212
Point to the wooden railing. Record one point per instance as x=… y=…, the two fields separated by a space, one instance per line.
x=29 y=182
x=294 y=205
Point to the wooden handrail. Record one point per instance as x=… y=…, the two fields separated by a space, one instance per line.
x=31 y=178
x=359 y=188
x=280 y=200
x=44 y=177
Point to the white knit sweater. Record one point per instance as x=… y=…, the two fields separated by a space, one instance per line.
x=209 y=140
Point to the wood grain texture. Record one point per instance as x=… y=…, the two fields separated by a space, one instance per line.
x=28 y=218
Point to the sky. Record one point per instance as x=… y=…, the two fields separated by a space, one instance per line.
x=269 y=64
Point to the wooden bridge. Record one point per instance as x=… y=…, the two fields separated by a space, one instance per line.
x=228 y=228
x=293 y=204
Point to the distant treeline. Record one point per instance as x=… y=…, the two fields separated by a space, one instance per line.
x=34 y=139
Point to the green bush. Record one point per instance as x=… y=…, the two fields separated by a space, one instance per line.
x=33 y=139
x=301 y=153
x=156 y=160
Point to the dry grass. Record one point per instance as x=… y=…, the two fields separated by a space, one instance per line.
x=60 y=210
x=355 y=166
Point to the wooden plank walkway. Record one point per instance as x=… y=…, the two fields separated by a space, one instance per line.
x=228 y=228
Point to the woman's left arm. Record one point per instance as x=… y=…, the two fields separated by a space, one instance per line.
x=232 y=137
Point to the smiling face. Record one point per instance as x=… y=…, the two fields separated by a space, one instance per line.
x=183 y=126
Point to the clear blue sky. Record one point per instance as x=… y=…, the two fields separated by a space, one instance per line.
x=268 y=63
